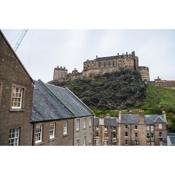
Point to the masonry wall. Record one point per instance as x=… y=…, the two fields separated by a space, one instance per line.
x=60 y=139
x=82 y=133
x=11 y=72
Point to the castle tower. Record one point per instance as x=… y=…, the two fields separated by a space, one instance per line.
x=60 y=73
x=144 y=72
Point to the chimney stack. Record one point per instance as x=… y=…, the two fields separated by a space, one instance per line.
x=141 y=117
x=164 y=115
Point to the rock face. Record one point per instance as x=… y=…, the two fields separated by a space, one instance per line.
x=118 y=90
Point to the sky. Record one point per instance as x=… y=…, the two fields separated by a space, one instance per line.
x=42 y=50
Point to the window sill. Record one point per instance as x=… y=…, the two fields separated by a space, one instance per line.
x=16 y=110
x=38 y=143
x=52 y=139
x=64 y=135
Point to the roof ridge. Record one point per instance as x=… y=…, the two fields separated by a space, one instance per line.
x=51 y=93
x=76 y=97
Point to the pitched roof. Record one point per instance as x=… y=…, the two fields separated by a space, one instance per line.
x=131 y=119
x=49 y=106
x=70 y=100
x=6 y=41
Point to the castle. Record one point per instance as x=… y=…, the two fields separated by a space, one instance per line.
x=102 y=65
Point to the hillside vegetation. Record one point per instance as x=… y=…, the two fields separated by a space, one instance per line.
x=119 y=90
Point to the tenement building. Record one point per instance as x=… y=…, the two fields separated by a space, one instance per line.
x=16 y=91
x=59 y=117
x=102 y=65
x=131 y=129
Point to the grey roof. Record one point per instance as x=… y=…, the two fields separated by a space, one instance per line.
x=47 y=106
x=72 y=102
x=171 y=139
x=96 y=121
x=131 y=119
x=110 y=121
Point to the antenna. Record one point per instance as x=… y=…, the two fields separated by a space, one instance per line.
x=20 y=39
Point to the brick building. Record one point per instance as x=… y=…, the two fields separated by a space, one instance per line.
x=131 y=129
x=16 y=91
x=55 y=114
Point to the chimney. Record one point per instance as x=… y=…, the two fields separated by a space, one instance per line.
x=141 y=117
x=119 y=116
x=164 y=115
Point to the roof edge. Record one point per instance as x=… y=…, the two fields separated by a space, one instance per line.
x=8 y=44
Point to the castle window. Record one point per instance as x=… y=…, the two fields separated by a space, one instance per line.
x=14 y=137
x=17 y=97
x=84 y=141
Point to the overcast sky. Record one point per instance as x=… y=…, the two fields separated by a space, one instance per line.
x=42 y=50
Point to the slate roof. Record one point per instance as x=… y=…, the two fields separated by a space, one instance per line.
x=171 y=139
x=48 y=106
x=131 y=119
x=70 y=100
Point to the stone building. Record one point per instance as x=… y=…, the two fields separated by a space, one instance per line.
x=16 y=91
x=56 y=112
x=131 y=129
x=102 y=65
x=163 y=83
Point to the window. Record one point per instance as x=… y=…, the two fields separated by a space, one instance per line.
x=152 y=134
x=65 y=129
x=126 y=142
x=84 y=123
x=17 y=97
x=77 y=124
x=160 y=134
x=126 y=126
x=14 y=137
x=78 y=142
x=84 y=141
x=126 y=133
x=148 y=136
x=160 y=126
x=152 y=128
x=52 y=131
x=147 y=128
x=136 y=134
x=135 y=126
x=90 y=122
x=38 y=133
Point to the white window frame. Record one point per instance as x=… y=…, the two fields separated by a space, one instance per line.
x=65 y=128
x=17 y=97
x=77 y=124
x=38 y=133
x=52 y=130
x=84 y=123
x=14 y=137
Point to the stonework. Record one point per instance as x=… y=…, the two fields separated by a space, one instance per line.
x=131 y=129
x=102 y=65
x=164 y=83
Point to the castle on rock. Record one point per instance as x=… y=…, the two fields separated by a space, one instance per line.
x=102 y=65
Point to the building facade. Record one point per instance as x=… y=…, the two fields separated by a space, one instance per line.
x=56 y=111
x=131 y=129
x=16 y=91
x=102 y=65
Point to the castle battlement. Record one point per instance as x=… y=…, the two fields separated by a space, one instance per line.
x=102 y=65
